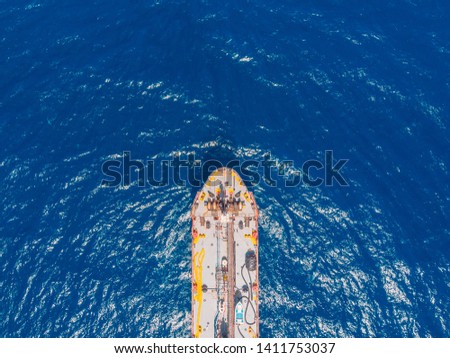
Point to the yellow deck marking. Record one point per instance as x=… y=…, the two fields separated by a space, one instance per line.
x=197 y=264
x=252 y=237
x=251 y=331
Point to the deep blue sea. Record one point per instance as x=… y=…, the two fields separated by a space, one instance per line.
x=83 y=81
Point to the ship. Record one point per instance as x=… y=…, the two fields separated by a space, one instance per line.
x=225 y=286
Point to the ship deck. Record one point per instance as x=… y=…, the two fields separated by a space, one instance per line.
x=225 y=259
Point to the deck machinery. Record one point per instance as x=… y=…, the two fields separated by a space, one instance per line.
x=225 y=259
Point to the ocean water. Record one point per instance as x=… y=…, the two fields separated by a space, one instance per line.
x=83 y=81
